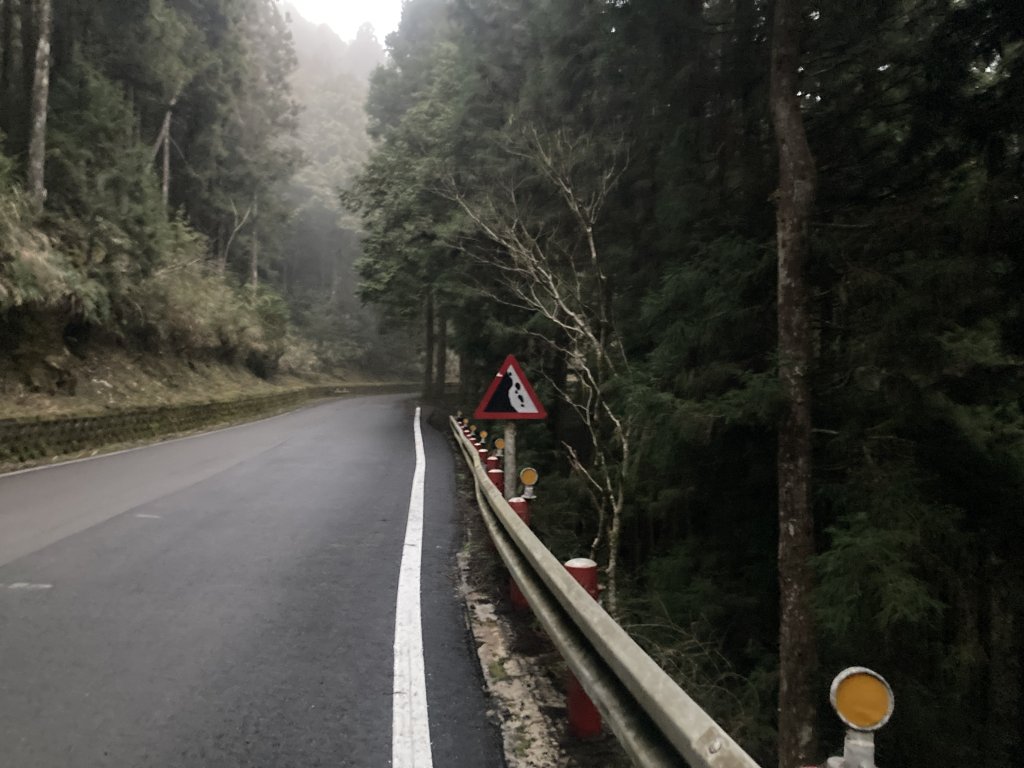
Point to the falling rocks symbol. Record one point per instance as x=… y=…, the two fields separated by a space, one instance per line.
x=510 y=396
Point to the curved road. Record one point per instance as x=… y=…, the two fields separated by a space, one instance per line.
x=230 y=600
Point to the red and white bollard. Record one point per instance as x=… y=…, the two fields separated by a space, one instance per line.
x=521 y=507
x=497 y=477
x=584 y=570
x=584 y=719
x=482 y=452
x=516 y=596
x=492 y=462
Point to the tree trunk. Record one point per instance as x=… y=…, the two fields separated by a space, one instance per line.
x=611 y=596
x=164 y=141
x=254 y=259
x=166 y=186
x=441 y=353
x=221 y=249
x=40 y=103
x=797 y=651
x=428 y=343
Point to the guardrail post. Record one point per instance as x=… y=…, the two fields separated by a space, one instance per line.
x=516 y=596
x=584 y=719
x=497 y=477
x=522 y=508
x=492 y=462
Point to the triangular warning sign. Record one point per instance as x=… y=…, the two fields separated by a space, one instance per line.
x=510 y=396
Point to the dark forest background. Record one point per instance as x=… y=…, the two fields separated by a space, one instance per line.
x=592 y=186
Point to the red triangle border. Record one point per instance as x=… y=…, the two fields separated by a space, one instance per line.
x=510 y=362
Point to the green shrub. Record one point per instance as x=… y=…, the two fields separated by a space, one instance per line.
x=33 y=274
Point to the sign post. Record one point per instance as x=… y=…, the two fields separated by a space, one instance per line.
x=510 y=398
x=510 y=460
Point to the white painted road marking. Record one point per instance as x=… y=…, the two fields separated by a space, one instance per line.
x=410 y=733
x=148 y=517
x=29 y=587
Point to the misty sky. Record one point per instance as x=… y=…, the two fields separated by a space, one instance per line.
x=346 y=16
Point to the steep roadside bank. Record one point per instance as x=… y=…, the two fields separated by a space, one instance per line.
x=65 y=407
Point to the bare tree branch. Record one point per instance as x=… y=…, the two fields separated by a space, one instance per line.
x=554 y=269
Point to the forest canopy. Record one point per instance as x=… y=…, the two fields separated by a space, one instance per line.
x=596 y=187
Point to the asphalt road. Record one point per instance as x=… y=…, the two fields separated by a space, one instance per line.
x=229 y=600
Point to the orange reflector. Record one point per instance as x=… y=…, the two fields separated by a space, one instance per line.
x=529 y=476
x=483 y=434
x=862 y=699
x=499 y=444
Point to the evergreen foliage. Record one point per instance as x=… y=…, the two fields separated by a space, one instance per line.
x=179 y=206
x=914 y=115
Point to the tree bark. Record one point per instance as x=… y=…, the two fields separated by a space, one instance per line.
x=428 y=343
x=795 y=200
x=511 y=467
x=164 y=141
x=254 y=258
x=40 y=103
x=441 y=353
x=166 y=186
x=238 y=224
x=254 y=263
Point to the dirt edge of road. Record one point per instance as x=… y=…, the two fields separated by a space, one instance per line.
x=523 y=672
x=521 y=695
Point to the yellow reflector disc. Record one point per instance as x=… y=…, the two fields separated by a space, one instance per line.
x=529 y=476
x=862 y=699
x=483 y=435
x=499 y=444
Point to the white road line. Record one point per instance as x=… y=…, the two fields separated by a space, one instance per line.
x=29 y=587
x=148 y=517
x=410 y=740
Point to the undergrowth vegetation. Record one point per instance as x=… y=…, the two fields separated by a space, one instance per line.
x=53 y=274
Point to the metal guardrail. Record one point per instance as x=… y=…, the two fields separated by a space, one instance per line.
x=655 y=721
